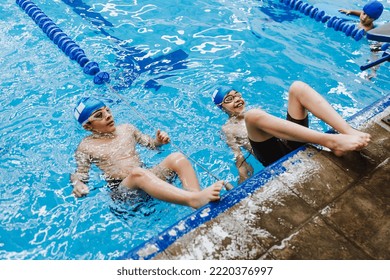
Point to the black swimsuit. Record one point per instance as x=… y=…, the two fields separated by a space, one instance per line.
x=274 y=148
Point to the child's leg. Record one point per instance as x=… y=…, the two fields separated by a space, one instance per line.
x=302 y=97
x=260 y=123
x=157 y=188
x=182 y=166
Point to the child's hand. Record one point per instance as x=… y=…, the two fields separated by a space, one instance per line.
x=347 y=12
x=162 y=137
x=80 y=189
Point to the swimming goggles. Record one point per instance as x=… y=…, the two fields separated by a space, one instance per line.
x=100 y=114
x=230 y=97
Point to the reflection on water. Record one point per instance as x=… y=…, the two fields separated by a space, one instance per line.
x=127 y=205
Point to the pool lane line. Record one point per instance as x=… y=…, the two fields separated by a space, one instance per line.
x=337 y=23
x=63 y=41
x=130 y=58
x=174 y=60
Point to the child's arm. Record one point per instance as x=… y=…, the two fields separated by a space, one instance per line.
x=81 y=176
x=351 y=12
x=147 y=141
x=245 y=170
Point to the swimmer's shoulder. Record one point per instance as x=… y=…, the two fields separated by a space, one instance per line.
x=229 y=129
x=84 y=146
x=226 y=128
x=126 y=128
x=84 y=150
x=232 y=124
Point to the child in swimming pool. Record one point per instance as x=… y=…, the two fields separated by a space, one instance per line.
x=371 y=12
x=112 y=149
x=269 y=138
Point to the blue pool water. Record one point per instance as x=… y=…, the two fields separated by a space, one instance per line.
x=165 y=58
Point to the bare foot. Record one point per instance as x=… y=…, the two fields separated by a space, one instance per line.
x=203 y=197
x=343 y=143
x=353 y=131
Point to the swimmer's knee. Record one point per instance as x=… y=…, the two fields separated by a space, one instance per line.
x=177 y=156
x=255 y=117
x=296 y=85
x=177 y=160
x=136 y=174
x=297 y=89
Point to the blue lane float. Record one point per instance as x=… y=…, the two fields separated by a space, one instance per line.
x=342 y=24
x=63 y=41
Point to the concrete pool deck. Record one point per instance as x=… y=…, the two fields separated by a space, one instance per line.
x=320 y=207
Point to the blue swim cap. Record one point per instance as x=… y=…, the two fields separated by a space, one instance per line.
x=220 y=93
x=373 y=9
x=86 y=107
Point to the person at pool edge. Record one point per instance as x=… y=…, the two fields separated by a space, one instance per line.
x=269 y=138
x=371 y=12
x=112 y=149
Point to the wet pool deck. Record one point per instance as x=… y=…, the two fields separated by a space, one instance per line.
x=320 y=207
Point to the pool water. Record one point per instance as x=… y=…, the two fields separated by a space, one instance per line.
x=165 y=58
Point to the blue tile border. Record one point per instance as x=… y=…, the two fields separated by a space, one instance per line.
x=369 y=112
x=158 y=244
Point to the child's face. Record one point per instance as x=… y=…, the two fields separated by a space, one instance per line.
x=365 y=20
x=101 y=121
x=233 y=103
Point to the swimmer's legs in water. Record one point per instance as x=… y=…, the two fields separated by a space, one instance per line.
x=140 y=178
x=183 y=168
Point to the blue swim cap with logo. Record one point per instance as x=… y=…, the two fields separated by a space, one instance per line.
x=373 y=9
x=86 y=107
x=220 y=93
